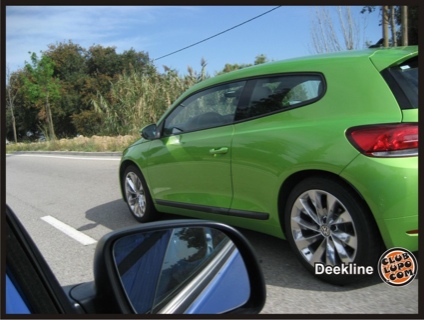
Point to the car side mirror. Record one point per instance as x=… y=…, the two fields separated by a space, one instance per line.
x=149 y=132
x=181 y=270
x=174 y=267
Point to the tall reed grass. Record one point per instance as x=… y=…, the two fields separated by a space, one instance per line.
x=137 y=99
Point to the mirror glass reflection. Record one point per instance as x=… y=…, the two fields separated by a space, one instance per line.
x=194 y=270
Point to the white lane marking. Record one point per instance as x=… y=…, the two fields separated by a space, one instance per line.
x=98 y=158
x=69 y=231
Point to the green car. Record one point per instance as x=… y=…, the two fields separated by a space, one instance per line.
x=321 y=151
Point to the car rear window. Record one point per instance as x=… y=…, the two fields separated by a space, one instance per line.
x=403 y=81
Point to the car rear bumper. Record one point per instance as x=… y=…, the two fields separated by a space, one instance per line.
x=390 y=188
x=401 y=233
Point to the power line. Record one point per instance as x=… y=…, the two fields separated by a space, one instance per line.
x=194 y=44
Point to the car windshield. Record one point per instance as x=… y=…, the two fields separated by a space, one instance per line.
x=406 y=76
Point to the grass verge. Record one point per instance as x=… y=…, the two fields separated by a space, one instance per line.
x=81 y=144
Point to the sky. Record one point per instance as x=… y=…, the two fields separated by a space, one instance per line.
x=160 y=30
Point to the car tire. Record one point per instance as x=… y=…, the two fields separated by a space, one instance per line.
x=344 y=235
x=137 y=195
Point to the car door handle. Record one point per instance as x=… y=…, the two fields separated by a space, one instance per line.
x=218 y=150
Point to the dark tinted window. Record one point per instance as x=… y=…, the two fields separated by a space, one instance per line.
x=278 y=93
x=403 y=80
x=206 y=109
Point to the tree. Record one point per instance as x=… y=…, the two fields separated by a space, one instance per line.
x=11 y=92
x=259 y=59
x=69 y=60
x=404 y=24
x=407 y=18
x=25 y=115
x=394 y=16
x=55 y=91
x=71 y=71
x=133 y=60
x=385 y=14
x=42 y=88
x=325 y=36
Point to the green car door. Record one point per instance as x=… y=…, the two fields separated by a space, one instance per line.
x=192 y=169
x=190 y=164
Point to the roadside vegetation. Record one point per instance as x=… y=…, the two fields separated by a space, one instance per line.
x=80 y=144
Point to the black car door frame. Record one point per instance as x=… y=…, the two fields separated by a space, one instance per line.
x=38 y=285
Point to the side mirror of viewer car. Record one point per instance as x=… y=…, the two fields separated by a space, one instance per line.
x=165 y=267
x=174 y=267
x=183 y=270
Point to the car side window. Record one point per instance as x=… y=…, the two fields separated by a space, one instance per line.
x=278 y=93
x=206 y=109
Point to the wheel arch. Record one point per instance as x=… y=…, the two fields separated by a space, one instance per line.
x=297 y=177
x=123 y=166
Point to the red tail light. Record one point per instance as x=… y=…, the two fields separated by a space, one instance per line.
x=386 y=140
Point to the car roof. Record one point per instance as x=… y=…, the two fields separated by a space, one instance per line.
x=380 y=57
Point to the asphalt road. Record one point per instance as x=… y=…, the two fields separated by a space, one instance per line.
x=83 y=192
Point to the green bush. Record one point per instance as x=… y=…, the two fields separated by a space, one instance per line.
x=87 y=122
